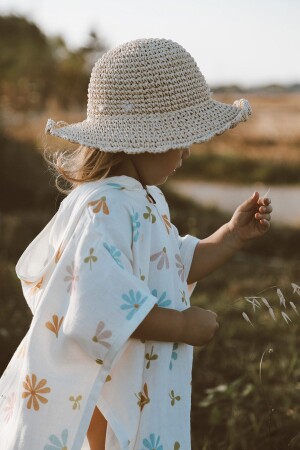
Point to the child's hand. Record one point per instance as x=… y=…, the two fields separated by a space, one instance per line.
x=200 y=326
x=252 y=218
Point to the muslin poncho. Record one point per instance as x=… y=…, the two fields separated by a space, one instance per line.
x=90 y=277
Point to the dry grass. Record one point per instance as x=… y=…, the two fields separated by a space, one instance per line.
x=272 y=133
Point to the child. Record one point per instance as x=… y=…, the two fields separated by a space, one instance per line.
x=109 y=350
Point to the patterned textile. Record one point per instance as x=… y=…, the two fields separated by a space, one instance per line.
x=90 y=277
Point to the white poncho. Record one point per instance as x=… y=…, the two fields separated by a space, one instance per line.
x=90 y=277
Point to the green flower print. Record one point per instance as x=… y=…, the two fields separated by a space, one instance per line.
x=162 y=301
x=150 y=357
x=152 y=443
x=91 y=258
x=133 y=301
x=174 y=355
x=76 y=401
x=149 y=215
x=176 y=445
x=114 y=253
x=174 y=397
x=183 y=297
x=135 y=225
x=58 y=444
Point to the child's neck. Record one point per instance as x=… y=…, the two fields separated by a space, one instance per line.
x=128 y=168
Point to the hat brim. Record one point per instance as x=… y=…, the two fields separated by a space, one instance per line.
x=155 y=133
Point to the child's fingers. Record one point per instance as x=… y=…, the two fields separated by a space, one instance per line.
x=265 y=201
x=265 y=223
x=259 y=216
x=265 y=209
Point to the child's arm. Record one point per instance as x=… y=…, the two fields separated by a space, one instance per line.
x=251 y=219
x=193 y=326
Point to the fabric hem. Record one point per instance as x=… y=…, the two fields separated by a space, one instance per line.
x=102 y=374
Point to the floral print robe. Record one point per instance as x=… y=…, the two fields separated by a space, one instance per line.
x=90 y=277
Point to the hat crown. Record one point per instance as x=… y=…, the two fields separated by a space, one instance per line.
x=145 y=76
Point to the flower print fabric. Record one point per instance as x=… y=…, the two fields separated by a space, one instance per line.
x=90 y=278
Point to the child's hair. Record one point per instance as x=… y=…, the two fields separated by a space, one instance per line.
x=74 y=167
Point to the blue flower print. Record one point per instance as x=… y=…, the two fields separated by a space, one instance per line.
x=58 y=444
x=114 y=252
x=135 y=225
x=152 y=443
x=116 y=185
x=174 y=355
x=162 y=301
x=133 y=302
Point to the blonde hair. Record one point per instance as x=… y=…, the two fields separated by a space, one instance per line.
x=74 y=167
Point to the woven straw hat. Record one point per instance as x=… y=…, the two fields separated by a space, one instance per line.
x=149 y=95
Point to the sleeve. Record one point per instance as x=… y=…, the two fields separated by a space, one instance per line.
x=107 y=301
x=187 y=245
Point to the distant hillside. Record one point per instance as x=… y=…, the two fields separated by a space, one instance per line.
x=264 y=89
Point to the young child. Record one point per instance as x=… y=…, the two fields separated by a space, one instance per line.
x=109 y=350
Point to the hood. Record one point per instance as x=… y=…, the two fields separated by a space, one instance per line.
x=36 y=263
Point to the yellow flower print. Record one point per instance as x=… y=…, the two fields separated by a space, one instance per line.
x=99 y=205
x=76 y=401
x=55 y=325
x=143 y=397
x=33 y=390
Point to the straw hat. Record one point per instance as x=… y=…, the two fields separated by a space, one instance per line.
x=149 y=95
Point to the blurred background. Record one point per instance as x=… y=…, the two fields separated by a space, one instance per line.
x=246 y=384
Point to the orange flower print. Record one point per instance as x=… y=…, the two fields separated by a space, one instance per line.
x=36 y=286
x=99 y=205
x=9 y=406
x=58 y=254
x=167 y=222
x=72 y=277
x=55 y=325
x=162 y=259
x=33 y=390
x=180 y=266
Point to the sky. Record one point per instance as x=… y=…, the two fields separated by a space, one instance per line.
x=245 y=42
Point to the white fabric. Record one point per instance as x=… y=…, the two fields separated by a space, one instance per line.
x=90 y=277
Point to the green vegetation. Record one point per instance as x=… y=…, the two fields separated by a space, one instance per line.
x=239 y=169
x=35 y=68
